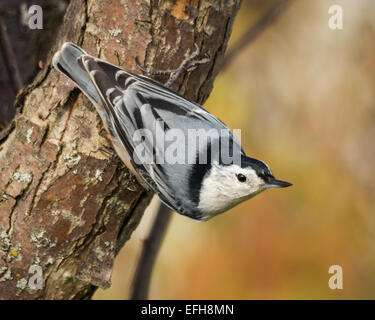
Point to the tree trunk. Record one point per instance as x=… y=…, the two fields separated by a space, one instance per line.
x=65 y=205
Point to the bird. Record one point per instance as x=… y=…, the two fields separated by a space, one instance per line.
x=129 y=104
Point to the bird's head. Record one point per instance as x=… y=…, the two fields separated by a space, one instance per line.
x=225 y=186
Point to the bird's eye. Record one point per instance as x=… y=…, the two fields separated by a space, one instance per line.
x=241 y=177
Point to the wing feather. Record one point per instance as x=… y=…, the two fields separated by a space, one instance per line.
x=136 y=102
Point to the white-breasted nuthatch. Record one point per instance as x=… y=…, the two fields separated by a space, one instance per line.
x=129 y=103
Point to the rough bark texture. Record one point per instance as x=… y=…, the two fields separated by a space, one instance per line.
x=30 y=47
x=64 y=204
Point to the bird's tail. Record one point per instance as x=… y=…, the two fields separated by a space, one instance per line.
x=67 y=61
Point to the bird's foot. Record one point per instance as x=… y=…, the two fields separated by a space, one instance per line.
x=188 y=64
x=106 y=150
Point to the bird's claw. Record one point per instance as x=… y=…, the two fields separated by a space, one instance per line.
x=189 y=64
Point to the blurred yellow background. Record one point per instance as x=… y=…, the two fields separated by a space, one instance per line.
x=304 y=97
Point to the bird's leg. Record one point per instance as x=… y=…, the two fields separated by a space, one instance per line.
x=106 y=149
x=188 y=64
x=152 y=71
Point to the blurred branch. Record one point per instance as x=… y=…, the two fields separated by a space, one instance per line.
x=151 y=246
x=255 y=30
x=10 y=59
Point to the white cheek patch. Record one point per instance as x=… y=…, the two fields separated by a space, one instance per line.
x=252 y=178
x=221 y=189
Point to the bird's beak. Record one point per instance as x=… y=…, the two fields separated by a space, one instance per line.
x=274 y=183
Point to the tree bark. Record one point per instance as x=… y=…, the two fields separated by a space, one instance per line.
x=65 y=205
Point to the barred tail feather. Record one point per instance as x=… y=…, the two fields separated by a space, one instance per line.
x=67 y=61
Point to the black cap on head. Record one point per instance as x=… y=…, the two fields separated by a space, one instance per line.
x=264 y=172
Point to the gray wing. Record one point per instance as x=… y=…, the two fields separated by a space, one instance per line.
x=135 y=102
